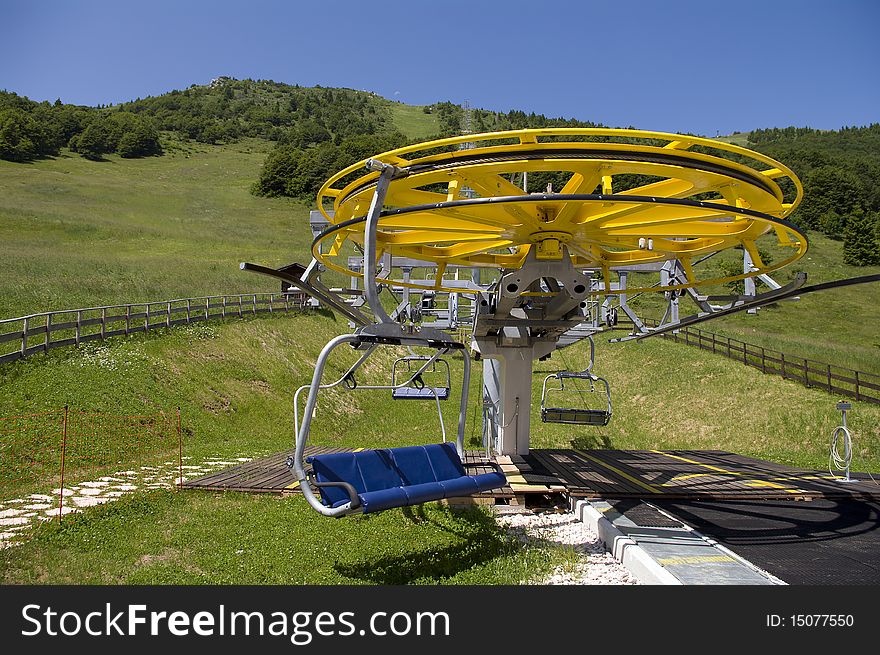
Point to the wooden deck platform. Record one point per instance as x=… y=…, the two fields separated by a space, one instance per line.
x=610 y=474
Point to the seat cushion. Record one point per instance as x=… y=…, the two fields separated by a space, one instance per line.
x=487 y=481
x=336 y=467
x=425 y=393
x=377 y=469
x=463 y=486
x=377 y=501
x=424 y=493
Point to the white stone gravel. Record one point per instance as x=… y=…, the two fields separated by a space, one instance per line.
x=15 y=520
x=593 y=566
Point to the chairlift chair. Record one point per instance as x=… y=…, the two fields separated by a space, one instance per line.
x=552 y=413
x=419 y=389
x=375 y=480
x=574 y=415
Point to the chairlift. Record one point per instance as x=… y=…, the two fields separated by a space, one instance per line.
x=553 y=413
x=375 y=480
x=419 y=389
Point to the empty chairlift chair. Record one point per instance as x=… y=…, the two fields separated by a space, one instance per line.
x=421 y=387
x=553 y=410
x=552 y=413
x=375 y=480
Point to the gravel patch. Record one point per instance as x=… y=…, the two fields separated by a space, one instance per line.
x=16 y=520
x=593 y=565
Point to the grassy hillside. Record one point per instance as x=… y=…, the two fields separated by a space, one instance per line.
x=837 y=326
x=413 y=121
x=234 y=382
x=80 y=233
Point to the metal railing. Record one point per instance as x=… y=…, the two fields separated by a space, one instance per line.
x=37 y=333
x=820 y=375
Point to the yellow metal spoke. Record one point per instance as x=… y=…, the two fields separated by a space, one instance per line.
x=416 y=237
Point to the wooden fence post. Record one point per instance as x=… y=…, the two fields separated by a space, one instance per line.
x=48 y=332
x=103 y=322
x=24 y=335
x=78 y=325
x=858 y=396
x=63 y=451
x=179 y=452
x=127 y=319
x=168 y=315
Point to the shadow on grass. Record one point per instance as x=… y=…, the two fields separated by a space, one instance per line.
x=591 y=441
x=479 y=541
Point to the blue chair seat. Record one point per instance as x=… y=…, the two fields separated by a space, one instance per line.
x=425 y=393
x=398 y=477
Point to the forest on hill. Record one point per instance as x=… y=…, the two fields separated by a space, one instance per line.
x=317 y=131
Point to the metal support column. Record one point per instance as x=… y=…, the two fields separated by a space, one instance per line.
x=749 y=282
x=507 y=385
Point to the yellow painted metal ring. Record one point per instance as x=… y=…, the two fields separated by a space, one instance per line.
x=695 y=197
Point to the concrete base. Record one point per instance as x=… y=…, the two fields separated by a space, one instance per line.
x=667 y=556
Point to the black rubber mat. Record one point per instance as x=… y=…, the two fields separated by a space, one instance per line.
x=643 y=514
x=821 y=542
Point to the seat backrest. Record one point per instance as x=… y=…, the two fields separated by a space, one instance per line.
x=445 y=461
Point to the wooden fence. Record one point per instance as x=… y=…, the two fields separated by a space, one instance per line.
x=38 y=333
x=828 y=377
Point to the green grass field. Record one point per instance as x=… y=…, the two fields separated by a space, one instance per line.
x=205 y=538
x=838 y=326
x=79 y=233
x=412 y=121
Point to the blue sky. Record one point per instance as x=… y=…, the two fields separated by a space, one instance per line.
x=675 y=65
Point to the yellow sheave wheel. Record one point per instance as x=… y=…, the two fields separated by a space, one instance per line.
x=456 y=204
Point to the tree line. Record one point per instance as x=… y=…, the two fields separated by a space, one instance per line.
x=840 y=170
x=222 y=112
x=30 y=130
